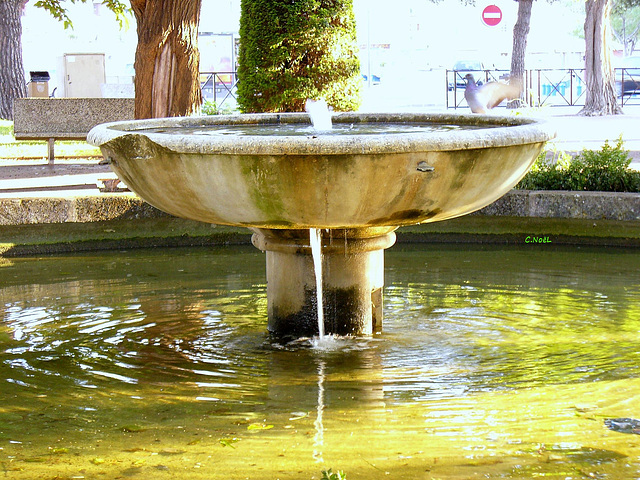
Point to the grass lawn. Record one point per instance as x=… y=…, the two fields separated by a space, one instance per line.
x=12 y=149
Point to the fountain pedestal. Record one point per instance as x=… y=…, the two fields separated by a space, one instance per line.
x=353 y=279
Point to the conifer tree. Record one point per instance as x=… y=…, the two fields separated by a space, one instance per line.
x=292 y=50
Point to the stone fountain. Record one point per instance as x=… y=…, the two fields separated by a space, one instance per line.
x=273 y=174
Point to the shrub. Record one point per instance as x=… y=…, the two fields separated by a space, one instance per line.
x=546 y=173
x=294 y=50
x=605 y=170
x=329 y=475
x=210 y=107
x=6 y=128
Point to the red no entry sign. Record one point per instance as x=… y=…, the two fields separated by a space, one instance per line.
x=491 y=15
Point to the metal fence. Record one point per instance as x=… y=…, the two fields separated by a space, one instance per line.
x=555 y=87
x=220 y=88
x=544 y=87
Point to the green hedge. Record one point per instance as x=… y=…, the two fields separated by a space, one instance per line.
x=292 y=50
x=605 y=170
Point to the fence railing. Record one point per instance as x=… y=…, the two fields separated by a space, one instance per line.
x=629 y=81
x=556 y=87
x=544 y=86
x=219 y=87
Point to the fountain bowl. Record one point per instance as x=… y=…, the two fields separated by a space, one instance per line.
x=370 y=174
x=261 y=177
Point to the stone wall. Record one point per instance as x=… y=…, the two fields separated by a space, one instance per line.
x=566 y=204
x=29 y=211
x=66 y=117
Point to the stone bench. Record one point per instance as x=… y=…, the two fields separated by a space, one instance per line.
x=54 y=119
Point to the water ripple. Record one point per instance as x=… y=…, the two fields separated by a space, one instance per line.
x=483 y=352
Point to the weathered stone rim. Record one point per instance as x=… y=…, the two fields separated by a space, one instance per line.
x=504 y=131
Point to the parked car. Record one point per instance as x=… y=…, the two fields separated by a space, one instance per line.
x=375 y=79
x=628 y=76
x=461 y=68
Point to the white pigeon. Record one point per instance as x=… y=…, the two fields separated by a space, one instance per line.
x=485 y=97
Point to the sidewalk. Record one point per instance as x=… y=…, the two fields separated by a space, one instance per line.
x=77 y=178
x=575 y=133
x=29 y=178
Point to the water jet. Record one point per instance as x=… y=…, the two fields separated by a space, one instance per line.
x=371 y=174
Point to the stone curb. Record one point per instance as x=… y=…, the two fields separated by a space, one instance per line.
x=44 y=210
x=563 y=204
x=34 y=226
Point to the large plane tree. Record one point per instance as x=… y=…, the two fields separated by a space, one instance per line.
x=599 y=74
x=519 y=50
x=166 y=63
x=167 y=58
x=12 y=84
x=625 y=23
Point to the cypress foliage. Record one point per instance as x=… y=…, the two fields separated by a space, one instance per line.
x=292 y=50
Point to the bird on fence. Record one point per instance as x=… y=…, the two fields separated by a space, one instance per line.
x=485 y=97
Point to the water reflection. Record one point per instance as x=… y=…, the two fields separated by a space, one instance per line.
x=318 y=440
x=499 y=363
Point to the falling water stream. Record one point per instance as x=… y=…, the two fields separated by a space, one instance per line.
x=315 y=238
x=318 y=111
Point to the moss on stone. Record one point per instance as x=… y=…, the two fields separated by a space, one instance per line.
x=515 y=230
x=115 y=234
x=39 y=239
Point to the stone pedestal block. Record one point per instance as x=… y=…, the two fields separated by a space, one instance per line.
x=352 y=280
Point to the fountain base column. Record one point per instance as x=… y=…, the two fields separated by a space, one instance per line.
x=353 y=279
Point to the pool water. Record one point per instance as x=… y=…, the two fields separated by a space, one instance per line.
x=306 y=129
x=495 y=362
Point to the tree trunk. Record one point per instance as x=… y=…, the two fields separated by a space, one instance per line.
x=520 y=34
x=599 y=76
x=12 y=80
x=167 y=59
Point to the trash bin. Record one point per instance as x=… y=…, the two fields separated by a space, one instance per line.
x=39 y=84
